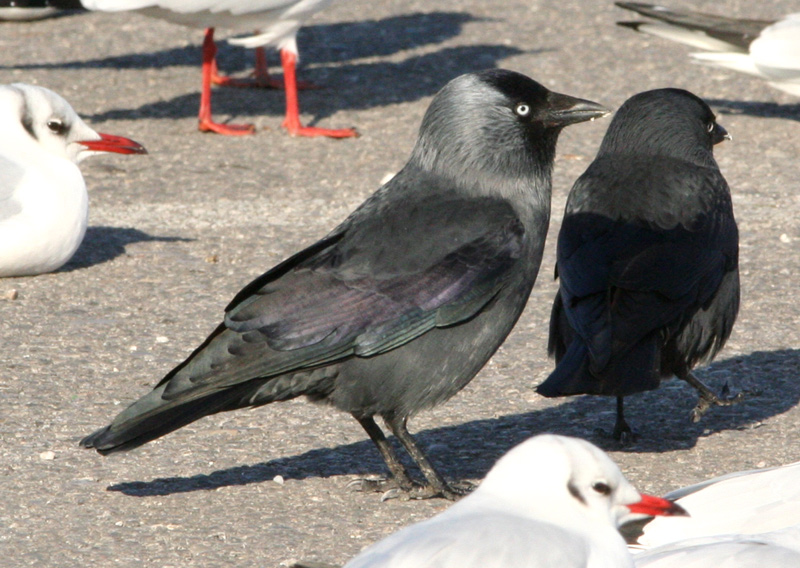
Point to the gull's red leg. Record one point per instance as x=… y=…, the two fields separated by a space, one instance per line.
x=292 y=120
x=261 y=77
x=205 y=123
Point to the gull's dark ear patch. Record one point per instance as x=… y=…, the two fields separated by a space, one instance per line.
x=27 y=123
x=575 y=492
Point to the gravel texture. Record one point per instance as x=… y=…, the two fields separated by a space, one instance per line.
x=175 y=234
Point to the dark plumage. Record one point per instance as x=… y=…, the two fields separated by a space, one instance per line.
x=400 y=306
x=647 y=256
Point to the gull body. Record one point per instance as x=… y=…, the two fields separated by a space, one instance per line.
x=775 y=549
x=44 y=205
x=550 y=501
x=745 y=502
x=768 y=49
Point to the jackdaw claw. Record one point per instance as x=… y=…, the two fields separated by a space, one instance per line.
x=391 y=489
x=375 y=484
x=708 y=399
x=451 y=492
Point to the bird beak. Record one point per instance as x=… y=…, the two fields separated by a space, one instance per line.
x=720 y=134
x=116 y=144
x=564 y=110
x=656 y=506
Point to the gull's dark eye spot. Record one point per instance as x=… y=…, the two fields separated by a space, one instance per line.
x=601 y=488
x=56 y=126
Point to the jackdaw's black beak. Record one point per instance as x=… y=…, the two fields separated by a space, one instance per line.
x=564 y=110
x=719 y=134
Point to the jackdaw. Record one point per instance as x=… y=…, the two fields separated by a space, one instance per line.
x=647 y=257
x=401 y=305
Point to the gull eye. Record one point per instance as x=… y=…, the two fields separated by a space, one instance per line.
x=522 y=109
x=710 y=127
x=601 y=488
x=56 y=126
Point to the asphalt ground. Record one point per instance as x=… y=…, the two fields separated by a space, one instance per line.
x=174 y=235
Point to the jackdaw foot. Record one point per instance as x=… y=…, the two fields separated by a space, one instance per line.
x=708 y=398
x=312 y=564
x=436 y=486
x=622 y=432
x=388 y=487
x=399 y=476
x=391 y=489
x=450 y=491
x=624 y=435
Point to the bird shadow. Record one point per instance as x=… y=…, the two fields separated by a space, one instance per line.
x=373 y=85
x=102 y=244
x=757 y=108
x=468 y=450
x=343 y=56
x=320 y=43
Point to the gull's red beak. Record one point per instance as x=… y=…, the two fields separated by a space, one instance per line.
x=656 y=506
x=116 y=144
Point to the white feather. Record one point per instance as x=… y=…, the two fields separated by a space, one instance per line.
x=777 y=549
x=746 y=502
x=275 y=22
x=523 y=516
x=774 y=55
x=44 y=206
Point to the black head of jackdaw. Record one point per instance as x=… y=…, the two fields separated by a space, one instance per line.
x=491 y=128
x=668 y=123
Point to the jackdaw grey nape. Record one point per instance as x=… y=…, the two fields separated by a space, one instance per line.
x=647 y=257
x=401 y=305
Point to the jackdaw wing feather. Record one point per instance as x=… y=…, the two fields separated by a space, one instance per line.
x=621 y=280
x=337 y=299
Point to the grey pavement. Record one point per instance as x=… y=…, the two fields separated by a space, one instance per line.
x=174 y=235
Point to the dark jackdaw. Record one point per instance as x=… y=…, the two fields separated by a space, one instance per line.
x=647 y=256
x=401 y=305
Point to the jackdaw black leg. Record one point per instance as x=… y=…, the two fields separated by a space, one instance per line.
x=707 y=397
x=437 y=486
x=622 y=431
x=400 y=478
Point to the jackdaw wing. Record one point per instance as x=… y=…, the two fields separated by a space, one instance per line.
x=360 y=292
x=621 y=280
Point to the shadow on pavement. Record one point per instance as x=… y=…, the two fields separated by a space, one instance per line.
x=757 y=108
x=331 y=54
x=467 y=451
x=102 y=244
x=321 y=43
x=356 y=86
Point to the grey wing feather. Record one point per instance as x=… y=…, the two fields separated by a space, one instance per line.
x=11 y=174
x=724 y=33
